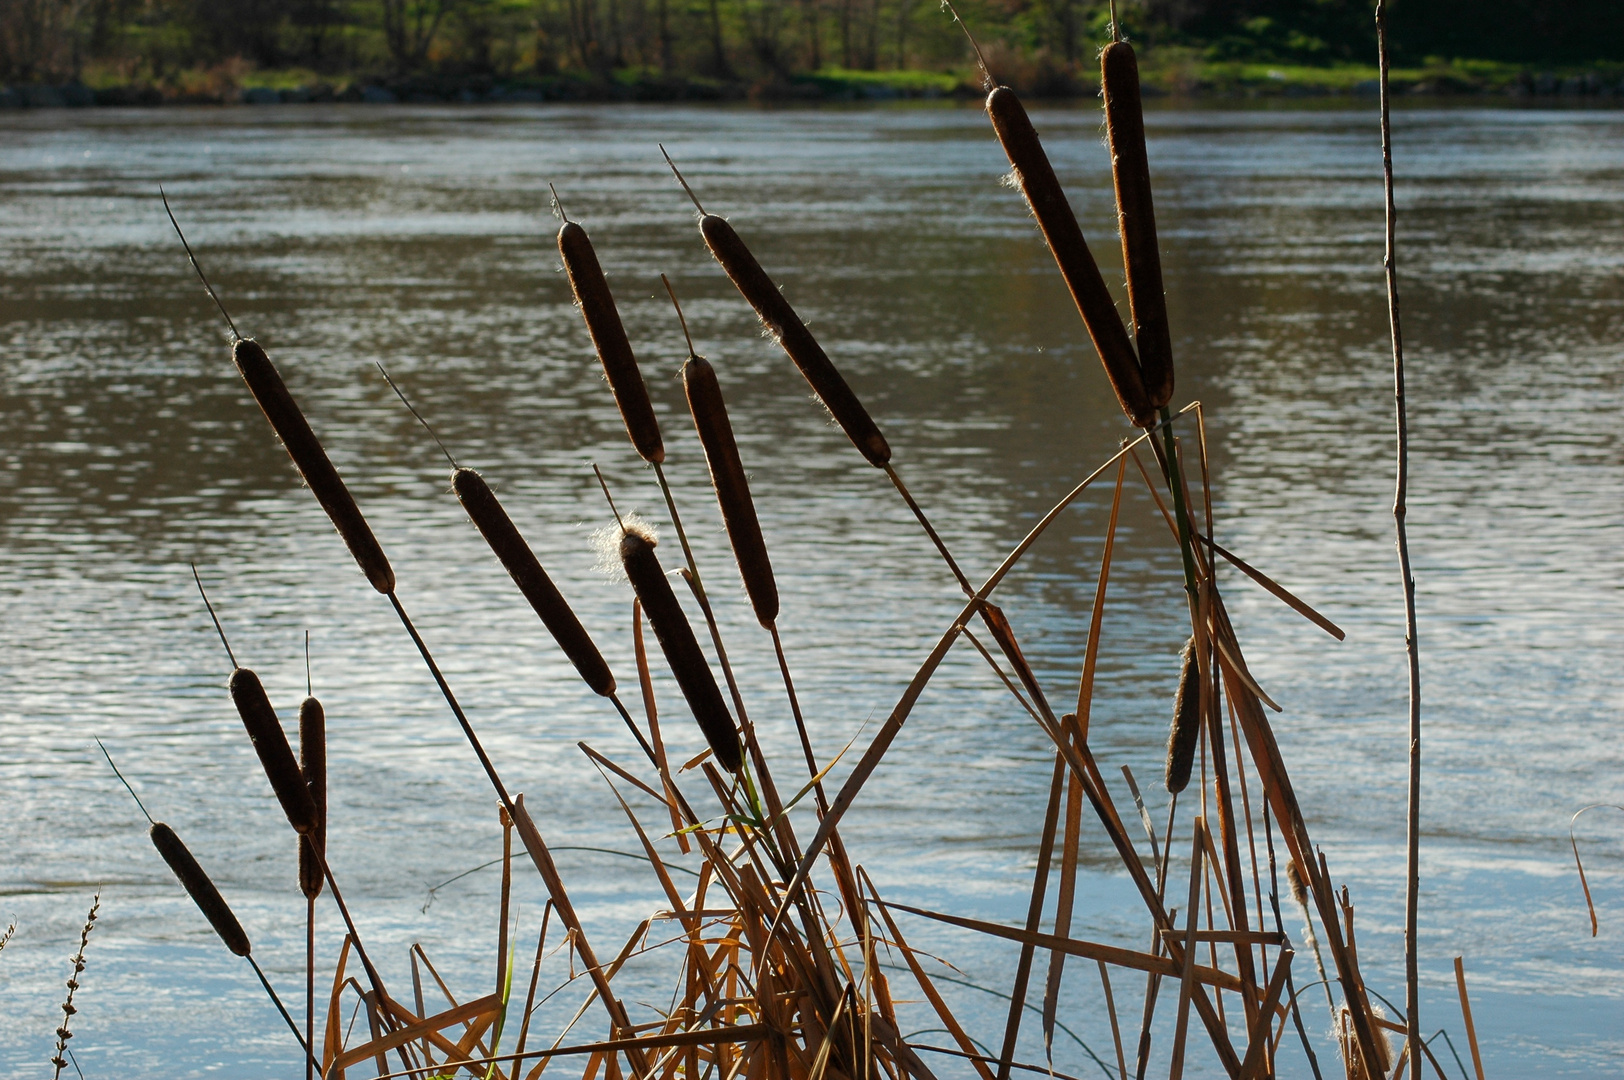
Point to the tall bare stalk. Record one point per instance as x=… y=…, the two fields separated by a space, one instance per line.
x=1412 y=876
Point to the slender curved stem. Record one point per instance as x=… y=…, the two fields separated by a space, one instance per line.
x=1412 y=868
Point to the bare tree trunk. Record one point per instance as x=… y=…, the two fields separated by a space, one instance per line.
x=904 y=13
x=665 y=40
x=814 y=50
x=871 y=47
x=723 y=71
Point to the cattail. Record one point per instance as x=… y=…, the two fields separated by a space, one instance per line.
x=1136 y=219
x=786 y=326
x=681 y=650
x=200 y=888
x=1048 y=202
x=271 y=744
x=1294 y=881
x=505 y=540
x=732 y=489
x=609 y=338
x=265 y=383
x=313 y=767
x=1186 y=730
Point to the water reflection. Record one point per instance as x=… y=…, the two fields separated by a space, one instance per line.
x=420 y=238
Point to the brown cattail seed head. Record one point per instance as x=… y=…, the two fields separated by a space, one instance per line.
x=682 y=652
x=1136 y=219
x=1294 y=881
x=271 y=744
x=521 y=564
x=200 y=888
x=732 y=489
x=609 y=338
x=265 y=383
x=313 y=767
x=790 y=332
x=1186 y=729
x=1048 y=202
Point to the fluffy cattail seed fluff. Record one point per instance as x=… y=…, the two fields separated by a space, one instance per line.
x=313 y=767
x=521 y=563
x=790 y=332
x=265 y=383
x=682 y=652
x=1186 y=729
x=271 y=744
x=1059 y=225
x=732 y=489
x=609 y=338
x=200 y=888
x=1136 y=219
x=1294 y=880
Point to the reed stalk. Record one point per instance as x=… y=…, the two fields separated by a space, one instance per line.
x=1412 y=864
x=64 y=1032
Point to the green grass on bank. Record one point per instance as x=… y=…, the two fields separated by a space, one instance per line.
x=1166 y=71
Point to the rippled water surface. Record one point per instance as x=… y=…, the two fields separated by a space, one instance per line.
x=421 y=238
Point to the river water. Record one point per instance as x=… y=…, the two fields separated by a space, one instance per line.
x=421 y=238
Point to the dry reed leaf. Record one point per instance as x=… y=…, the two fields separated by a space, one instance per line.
x=1089 y=950
x=1066 y=896
x=1186 y=971
x=416 y=1028
x=1257 y=1061
x=1584 y=882
x=1034 y=914
x=1466 y=1016
x=928 y=987
x=1280 y=592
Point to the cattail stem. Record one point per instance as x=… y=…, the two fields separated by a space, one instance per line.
x=311 y=1066
x=283 y=1009
x=349 y=925
x=930 y=531
x=800 y=721
x=451 y=700
x=636 y=733
x=1181 y=513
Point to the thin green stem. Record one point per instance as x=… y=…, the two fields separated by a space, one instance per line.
x=1181 y=512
